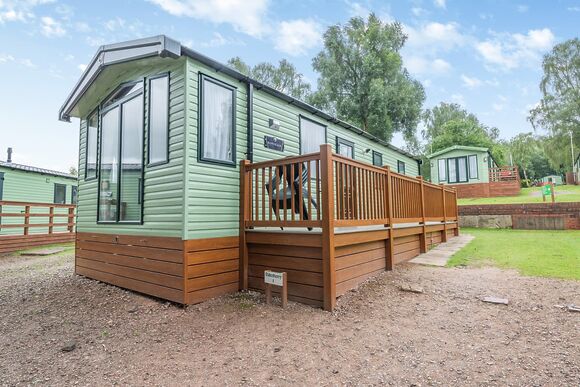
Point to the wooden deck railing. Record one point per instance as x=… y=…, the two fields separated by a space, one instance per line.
x=504 y=174
x=289 y=193
x=43 y=217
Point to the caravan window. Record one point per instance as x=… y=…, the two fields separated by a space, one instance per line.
x=400 y=167
x=457 y=169
x=59 y=193
x=377 y=159
x=217 y=122
x=442 y=169
x=473 y=166
x=345 y=147
x=91 y=144
x=121 y=159
x=312 y=135
x=158 y=119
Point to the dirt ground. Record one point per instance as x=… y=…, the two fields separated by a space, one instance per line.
x=378 y=335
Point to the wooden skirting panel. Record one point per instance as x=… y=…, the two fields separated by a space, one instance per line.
x=10 y=243
x=212 y=268
x=356 y=263
x=299 y=256
x=150 y=265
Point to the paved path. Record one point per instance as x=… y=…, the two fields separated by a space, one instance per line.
x=439 y=255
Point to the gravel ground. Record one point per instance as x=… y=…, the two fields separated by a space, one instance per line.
x=60 y=329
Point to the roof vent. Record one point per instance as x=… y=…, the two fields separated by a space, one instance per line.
x=9 y=155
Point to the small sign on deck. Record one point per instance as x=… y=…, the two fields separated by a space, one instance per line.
x=274 y=278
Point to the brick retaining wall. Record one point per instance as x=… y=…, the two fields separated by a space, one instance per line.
x=551 y=216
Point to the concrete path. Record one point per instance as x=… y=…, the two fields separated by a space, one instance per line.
x=439 y=255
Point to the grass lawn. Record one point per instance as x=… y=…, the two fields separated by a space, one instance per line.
x=564 y=193
x=532 y=252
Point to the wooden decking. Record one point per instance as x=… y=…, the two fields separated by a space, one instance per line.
x=343 y=223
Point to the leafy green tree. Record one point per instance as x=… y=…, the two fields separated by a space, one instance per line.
x=522 y=149
x=363 y=81
x=559 y=109
x=284 y=77
x=436 y=117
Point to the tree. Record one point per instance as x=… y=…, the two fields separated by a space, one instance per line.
x=363 y=81
x=284 y=77
x=559 y=109
x=435 y=118
x=73 y=171
x=522 y=148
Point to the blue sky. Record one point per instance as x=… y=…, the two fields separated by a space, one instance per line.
x=485 y=54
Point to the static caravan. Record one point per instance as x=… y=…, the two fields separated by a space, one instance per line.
x=26 y=193
x=167 y=137
x=473 y=172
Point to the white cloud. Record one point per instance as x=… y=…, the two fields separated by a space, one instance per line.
x=469 y=82
x=357 y=9
x=19 y=10
x=574 y=9
x=5 y=58
x=27 y=63
x=82 y=67
x=218 y=40
x=498 y=107
x=114 y=24
x=435 y=36
x=418 y=11
x=51 y=28
x=95 y=41
x=418 y=65
x=509 y=51
x=244 y=15
x=522 y=8
x=82 y=27
x=295 y=37
x=439 y=3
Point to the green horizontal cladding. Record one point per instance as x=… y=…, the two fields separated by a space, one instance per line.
x=163 y=191
x=482 y=165
x=33 y=187
x=213 y=190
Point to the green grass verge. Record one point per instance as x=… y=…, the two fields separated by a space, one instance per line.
x=564 y=193
x=532 y=252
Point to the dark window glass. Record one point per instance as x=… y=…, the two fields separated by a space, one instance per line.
x=442 y=168
x=74 y=194
x=109 y=173
x=345 y=148
x=91 y=151
x=400 y=167
x=122 y=92
x=217 y=137
x=158 y=119
x=59 y=193
x=377 y=159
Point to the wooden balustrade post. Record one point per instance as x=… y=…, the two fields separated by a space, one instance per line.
x=26 y=219
x=51 y=219
x=444 y=234
x=244 y=206
x=456 y=231
x=423 y=236
x=70 y=219
x=390 y=241
x=327 y=182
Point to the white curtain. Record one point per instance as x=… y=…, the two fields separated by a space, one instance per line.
x=345 y=150
x=217 y=122
x=452 y=172
x=462 y=169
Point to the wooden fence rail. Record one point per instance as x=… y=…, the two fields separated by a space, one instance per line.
x=288 y=193
x=25 y=211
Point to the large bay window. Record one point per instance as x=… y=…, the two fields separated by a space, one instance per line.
x=121 y=161
x=217 y=122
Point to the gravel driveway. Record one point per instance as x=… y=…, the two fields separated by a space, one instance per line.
x=60 y=329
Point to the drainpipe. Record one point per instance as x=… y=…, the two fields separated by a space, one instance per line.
x=250 y=121
x=9 y=156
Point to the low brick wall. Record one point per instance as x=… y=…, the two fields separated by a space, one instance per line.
x=531 y=216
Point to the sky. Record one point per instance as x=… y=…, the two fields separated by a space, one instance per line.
x=485 y=55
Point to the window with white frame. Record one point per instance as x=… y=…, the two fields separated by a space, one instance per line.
x=442 y=169
x=217 y=121
x=158 y=136
x=473 y=167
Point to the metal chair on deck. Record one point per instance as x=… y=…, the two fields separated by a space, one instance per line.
x=281 y=193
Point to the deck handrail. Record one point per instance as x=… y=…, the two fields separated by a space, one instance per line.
x=363 y=194
x=26 y=214
x=507 y=173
